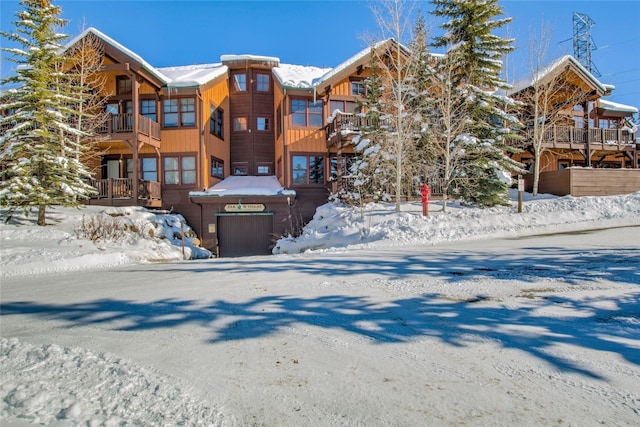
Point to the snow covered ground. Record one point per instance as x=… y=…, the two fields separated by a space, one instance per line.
x=474 y=317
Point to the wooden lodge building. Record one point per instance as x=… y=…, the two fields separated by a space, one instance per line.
x=244 y=148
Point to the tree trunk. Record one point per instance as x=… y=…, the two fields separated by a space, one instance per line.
x=41 y=214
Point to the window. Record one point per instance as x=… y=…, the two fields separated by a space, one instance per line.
x=170 y=113
x=345 y=166
x=279 y=120
x=187 y=112
x=240 y=82
x=357 y=88
x=123 y=85
x=216 y=122
x=240 y=124
x=217 y=168
x=264 y=124
x=180 y=170
x=262 y=82
x=148 y=168
x=240 y=168
x=305 y=112
x=179 y=112
x=344 y=106
x=307 y=169
x=265 y=168
x=148 y=109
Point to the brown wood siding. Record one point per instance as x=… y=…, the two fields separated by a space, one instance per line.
x=252 y=147
x=218 y=97
x=588 y=182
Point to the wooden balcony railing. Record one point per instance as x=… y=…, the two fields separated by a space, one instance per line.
x=557 y=135
x=122 y=188
x=123 y=123
x=349 y=122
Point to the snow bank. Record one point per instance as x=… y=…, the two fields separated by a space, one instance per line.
x=141 y=236
x=378 y=225
x=50 y=383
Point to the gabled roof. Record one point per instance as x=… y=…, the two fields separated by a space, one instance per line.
x=557 y=66
x=177 y=77
x=117 y=46
x=305 y=77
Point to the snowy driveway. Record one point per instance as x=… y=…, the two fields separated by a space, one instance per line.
x=530 y=331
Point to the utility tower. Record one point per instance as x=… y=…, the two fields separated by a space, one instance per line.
x=583 y=42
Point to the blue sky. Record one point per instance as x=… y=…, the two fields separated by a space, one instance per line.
x=325 y=33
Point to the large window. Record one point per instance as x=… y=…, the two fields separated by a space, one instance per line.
x=148 y=109
x=148 y=168
x=262 y=82
x=217 y=168
x=240 y=82
x=179 y=170
x=305 y=112
x=307 y=169
x=216 y=123
x=179 y=112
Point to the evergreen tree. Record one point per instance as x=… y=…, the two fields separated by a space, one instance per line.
x=39 y=147
x=477 y=54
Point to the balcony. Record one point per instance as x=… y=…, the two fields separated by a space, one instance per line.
x=579 y=138
x=120 y=127
x=119 y=192
x=345 y=126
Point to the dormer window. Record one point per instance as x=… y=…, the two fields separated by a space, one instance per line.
x=240 y=82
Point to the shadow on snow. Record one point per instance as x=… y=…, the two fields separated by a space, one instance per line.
x=457 y=323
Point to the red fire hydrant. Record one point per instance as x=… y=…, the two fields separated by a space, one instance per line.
x=426 y=192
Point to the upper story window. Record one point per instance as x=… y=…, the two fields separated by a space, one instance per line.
x=305 y=112
x=217 y=168
x=344 y=106
x=357 y=88
x=148 y=109
x=263 y=124
x=240 y=82
x=240 y=124
x=179 y=112
x=123 y=85
x=262 y=82
x=216 y=122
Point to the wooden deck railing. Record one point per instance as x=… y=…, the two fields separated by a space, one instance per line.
x=572 y=135
x=350 y=122
x=122 y=188
x=123 y=123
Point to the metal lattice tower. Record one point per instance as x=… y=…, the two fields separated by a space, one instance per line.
x=583 y=42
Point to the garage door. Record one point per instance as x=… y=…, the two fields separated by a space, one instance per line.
x=242 y=235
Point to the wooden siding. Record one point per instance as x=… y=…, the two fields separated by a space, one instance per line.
x=252 y=147
x=587 y=182
x=216 y=96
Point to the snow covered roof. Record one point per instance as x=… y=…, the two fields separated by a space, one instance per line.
x=248 y=57
x=119 y=47
x=193 y=75
x=615 y=107
x=306 y=77
x=298 y=76
x=554 y=65
x=246 y=186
